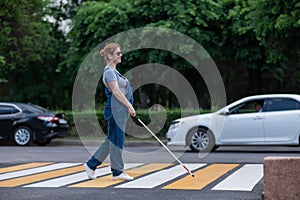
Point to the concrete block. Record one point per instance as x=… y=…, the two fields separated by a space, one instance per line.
x=282 y=178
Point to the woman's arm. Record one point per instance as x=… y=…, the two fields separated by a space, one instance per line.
x=114 y=87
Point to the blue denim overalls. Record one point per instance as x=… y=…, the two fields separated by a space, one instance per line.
x=116 y=114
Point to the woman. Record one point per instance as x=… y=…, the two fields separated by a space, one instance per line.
x=119 y=104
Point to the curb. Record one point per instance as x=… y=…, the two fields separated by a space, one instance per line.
x=281 y=178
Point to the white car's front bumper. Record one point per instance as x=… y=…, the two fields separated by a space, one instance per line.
x=173 y=135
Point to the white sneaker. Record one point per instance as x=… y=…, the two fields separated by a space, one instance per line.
x=123 y=176
x=90 y=173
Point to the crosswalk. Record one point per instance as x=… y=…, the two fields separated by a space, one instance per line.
x=165 y=176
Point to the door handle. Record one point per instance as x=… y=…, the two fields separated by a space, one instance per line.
x=257 y=118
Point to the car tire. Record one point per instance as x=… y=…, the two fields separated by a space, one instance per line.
x=42 y=142
x=22 y=136
x=201 y=139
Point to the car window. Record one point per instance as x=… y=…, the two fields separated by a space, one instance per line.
x=29 y=108
x=45 y=110
x=7 y=110
x=282 y=104
x=248 y=107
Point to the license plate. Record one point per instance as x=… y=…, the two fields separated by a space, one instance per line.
x=62 y=121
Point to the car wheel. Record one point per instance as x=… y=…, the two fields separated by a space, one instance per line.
x=23 y=136
x=43 y=142
x=201 y=139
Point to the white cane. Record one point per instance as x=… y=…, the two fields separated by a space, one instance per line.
x=138 y=122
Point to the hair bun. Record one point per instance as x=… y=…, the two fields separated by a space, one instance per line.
x=109 y=49
x=102 y=52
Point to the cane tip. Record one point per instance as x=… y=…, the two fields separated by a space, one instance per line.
x=193 y=175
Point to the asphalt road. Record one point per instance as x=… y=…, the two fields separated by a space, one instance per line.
x=239 y=158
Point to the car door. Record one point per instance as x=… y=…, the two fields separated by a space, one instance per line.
x=244 y=124
x=7 y=114
x=282 y=121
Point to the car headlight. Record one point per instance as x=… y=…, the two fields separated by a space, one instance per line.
x=175 y=124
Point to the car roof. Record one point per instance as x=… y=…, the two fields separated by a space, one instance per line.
x=28 y=106
x=16 y=103
x=265 y=96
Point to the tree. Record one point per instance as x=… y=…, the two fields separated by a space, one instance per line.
x=253 y=42
x=243 y=55
x=2 y=64
x=30 y=49
x=96 y=21
x=277 y=27
x=259 y=46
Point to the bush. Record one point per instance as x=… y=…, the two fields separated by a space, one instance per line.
x=145 y=115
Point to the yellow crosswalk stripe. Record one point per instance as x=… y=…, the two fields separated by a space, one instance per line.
x=40 y=177
x=106 y=181
x=24 y=166
x=202 y=178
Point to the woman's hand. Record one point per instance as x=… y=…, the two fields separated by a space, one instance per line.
x=131 y=110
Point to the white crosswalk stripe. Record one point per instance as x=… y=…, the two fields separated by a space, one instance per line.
x=36 y=170
x=243 y=179
x=160 y=177
x=74 y=178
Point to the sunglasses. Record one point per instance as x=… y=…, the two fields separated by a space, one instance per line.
x=119 y=53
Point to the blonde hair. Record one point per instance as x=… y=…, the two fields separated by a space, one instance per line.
x=109 y=49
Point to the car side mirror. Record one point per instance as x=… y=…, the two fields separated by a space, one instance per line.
x=225 y=112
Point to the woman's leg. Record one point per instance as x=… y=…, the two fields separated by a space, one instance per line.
x=116 y=136
x=99 y=156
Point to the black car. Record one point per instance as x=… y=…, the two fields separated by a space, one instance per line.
x=27 y=123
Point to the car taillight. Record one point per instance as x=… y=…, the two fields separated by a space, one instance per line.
x=49 y=119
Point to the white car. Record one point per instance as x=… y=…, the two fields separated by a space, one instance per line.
x=243 y=122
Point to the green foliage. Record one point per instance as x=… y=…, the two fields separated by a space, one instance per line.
x=197 y=19
x=32 y=50
x=276 y=24
x=20 y=35
x=252 y=41
x=142 y=114
x=2 y=64
x=261 y=36
x=94 y=22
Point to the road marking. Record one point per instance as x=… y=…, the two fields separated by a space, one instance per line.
x=47 y=174
x=160 y=177
x=202 y=177
x=74 y=178
x=107 y=180
x=36 y=170
x=243 y=179
x=24 y=166
x=39 y=177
